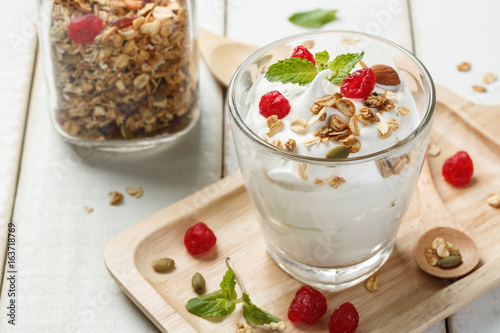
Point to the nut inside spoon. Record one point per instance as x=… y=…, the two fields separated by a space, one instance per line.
x=438 y=222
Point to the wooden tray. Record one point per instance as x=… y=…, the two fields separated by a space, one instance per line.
x=408 y=299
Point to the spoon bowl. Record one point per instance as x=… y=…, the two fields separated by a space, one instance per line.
x=223 y=55
x=468 y=251
x=438 y=222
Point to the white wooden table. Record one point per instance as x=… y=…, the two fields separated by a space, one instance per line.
x=61 y=283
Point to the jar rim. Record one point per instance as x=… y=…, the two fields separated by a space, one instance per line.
x=243 y=127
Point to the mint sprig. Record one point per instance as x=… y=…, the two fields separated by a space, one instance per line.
x=301 y=71
x=255 y=315
x=216 y=304
x=322 y=59
x=223 y=302
x=342 y=65
x=292 y=70
x=211 y=305
x=314 y=18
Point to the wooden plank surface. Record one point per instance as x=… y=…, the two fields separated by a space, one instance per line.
x=443 y=39
x=17 y=61
x=63 y=285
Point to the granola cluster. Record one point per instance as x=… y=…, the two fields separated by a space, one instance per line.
x=137 y=79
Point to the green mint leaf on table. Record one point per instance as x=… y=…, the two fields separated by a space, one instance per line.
x=211 y=305
x=223 y=302
x=255 y=315
x=292 y=70
x=314 y=18
x=216 y=304
x=342 y=65
x=228 y=285
x=322 y=59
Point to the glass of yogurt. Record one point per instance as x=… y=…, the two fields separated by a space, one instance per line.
x=331 y=175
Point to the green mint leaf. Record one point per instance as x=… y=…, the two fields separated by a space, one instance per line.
x=228 y=285
x=314 y=18
x=255 y=315
x=211 y=305
x=292 y=70
x=342 y=65
x=322 y=59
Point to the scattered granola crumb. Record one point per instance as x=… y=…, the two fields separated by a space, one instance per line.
x=277 y=144
x=319 y=182
x=403 y=110
x=318 y=116
x=290 y=145
x=116 y=199
x=241 y=328
x=280 y=327
x=385 y=129
x=302 y=171
x=275 y=125
x=372 y=283
x=349 y=41
x=336 y=182
x=88 y=209
x=312 y=141
x=479 y=88
x=463 y=67
x=493 y=200
x=434 y=150
x=489 y=78
x=135 y=192
x=298 y=125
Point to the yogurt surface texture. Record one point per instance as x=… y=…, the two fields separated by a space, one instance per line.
x=301 y=98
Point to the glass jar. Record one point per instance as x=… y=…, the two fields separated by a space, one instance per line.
x=122 y=75
x=329 y=222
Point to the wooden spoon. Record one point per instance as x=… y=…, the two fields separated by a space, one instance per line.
x=223 y=55
x=438 y=222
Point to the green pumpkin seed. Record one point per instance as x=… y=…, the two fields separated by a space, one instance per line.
x=71 y=59
x=338 y=152
x=198 y=283
x=160 y=94
x=450 y=262
x=164 y=265
x=125 y=132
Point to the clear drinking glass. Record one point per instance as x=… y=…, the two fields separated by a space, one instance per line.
x=121 y=75
x=331 y=239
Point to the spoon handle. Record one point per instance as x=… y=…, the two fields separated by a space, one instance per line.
x=433 y=212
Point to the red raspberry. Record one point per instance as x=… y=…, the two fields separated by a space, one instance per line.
x=458 y=169
x=302 y=52
x=199 y=239
x=84 y=29
x=344 y=320
x=308 y=305
x=274 y=103
x=359 y=84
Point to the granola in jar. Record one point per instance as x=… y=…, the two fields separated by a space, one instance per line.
x=123 y=69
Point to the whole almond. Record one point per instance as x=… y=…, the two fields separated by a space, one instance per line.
x=386 y=75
